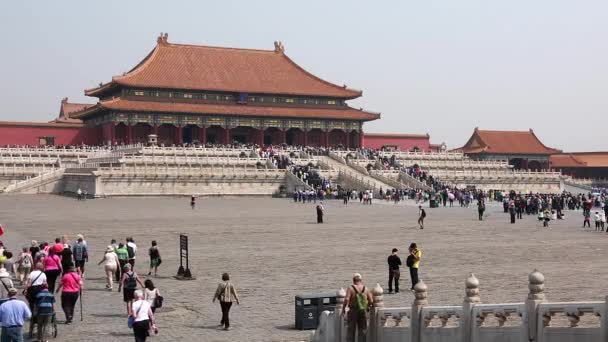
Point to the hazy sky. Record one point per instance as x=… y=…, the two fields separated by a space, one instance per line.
x=442 y=67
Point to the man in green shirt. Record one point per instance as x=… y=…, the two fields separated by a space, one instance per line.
x=123 y=258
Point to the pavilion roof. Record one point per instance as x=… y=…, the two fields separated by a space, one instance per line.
x=506 y=142
x=67 y=109
x=398 y=135
x=195 y=67
x=119 y=104
x=580 y=159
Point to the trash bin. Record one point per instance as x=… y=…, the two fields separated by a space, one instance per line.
x=309 y=308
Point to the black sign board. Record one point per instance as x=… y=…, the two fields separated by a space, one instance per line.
x=183 y=273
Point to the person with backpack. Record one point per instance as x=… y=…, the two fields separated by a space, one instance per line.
x=413 y=262
x=34 y=283
x=421 y=216
x=155 y=259
x=226 y=294
x=128 y=284
x=81 y=255
x=132 y=250
x=24 y=265
x=357 y=302
x=7 y=283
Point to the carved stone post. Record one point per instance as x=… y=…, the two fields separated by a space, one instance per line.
x=340 y=327
x=372 y=331
x=420 y=292
x=536 y=285
x=470 y=299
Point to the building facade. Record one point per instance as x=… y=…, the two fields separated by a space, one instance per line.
x=201 y=94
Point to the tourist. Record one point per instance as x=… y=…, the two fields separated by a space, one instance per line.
x=587 y=220
x=71 y=283
x=132 y=250
x=66 y=256
x=7 y=283
x=58 y=246
x=226 y=294
x=413 y=262
x=481 y=208
x=320 y=211
x=34 y=248
x=43 y=312
x=81 y=237
x=34 y=283
x=143 y=317
x=152 y=295
x=81 y=255
x=123 y=259
x=155 y=259
x=193 y=201
x=24 y=265
x=421 y=216
x=597 y=219
x=128 y=284
x=357 y=302
x=79 y=194
x=13 y=314
x=394 y=262
x=511 y=205
x=52 y=269
x=110 y=265
x=9 y=263
x=602 y=220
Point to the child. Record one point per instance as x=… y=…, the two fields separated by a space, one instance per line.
x=596 y=218
x=602 y=220
x=587 y=220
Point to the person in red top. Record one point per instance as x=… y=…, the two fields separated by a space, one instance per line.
x=52 y=268
x=58 y=246
x=71 y=284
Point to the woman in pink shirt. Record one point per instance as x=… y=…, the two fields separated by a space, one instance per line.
x=52 y=269
x=71 y=283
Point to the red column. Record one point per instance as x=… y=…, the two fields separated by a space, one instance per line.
x=129 y=134
x=155 y=130
x=202 y=135
x=113 y=133
x=347 y=140
x=305 y=137
x=283 y=136
x=180 y=134
x=226 y=136
x=326 y=138
x=361 y=138
x=261 y=137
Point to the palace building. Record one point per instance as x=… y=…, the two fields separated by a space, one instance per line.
x=190 y=93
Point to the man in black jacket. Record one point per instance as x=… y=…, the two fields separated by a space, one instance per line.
x=393 y=271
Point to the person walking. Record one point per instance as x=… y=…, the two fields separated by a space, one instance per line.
x=123 y=259
x=34 y=283
x=421 y=216
x=413 y=262
x=81 y=255
x=44 y=311
x=71 y=283
x=357 y=302
x=52 y=269
x=143 y=317
x=320 y=211
x=481 y=208
x=110 y=265
x=394 y=262
x=24 y=265
x=7 y=283
x=155 y=259
x=128 y=284
x=152 y=295
x=132 y=251
x=13 y=314
x=66 y=257
x=226 y=294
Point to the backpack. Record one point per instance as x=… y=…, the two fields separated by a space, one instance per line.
x=26 y=261
x=130 y=252
x=409 y=262
x=361 y=303
x=130 y=282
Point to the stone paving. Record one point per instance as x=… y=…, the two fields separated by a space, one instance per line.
x=274 y=250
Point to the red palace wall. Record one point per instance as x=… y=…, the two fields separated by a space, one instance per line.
x=403 y=142
x=29 y=134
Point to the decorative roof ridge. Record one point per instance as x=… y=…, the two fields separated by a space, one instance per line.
x=590 y=152
x=406 y=135
x=541 y=143
x=344 y=87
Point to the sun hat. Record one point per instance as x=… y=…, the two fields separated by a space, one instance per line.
x=109 y=249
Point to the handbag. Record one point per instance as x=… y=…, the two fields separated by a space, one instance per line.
x=158 y=300
x=131 y=319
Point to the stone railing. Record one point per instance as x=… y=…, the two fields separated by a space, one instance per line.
x=337 y=157
x=357 y=167
x=394 y=182
x=413 y=182
x=49 y=176
x=533 y=320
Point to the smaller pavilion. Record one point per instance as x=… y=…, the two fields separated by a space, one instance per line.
x=582 y=164
x=522 y=149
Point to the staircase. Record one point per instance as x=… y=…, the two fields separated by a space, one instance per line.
x=413 y=182
x=35 y=182
x=350 y=174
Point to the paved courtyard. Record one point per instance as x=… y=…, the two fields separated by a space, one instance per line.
x=274 y=250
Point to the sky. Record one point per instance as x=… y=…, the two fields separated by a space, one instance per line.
x=437 y=67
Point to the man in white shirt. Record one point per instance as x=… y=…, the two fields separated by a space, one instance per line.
x=132 y=250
